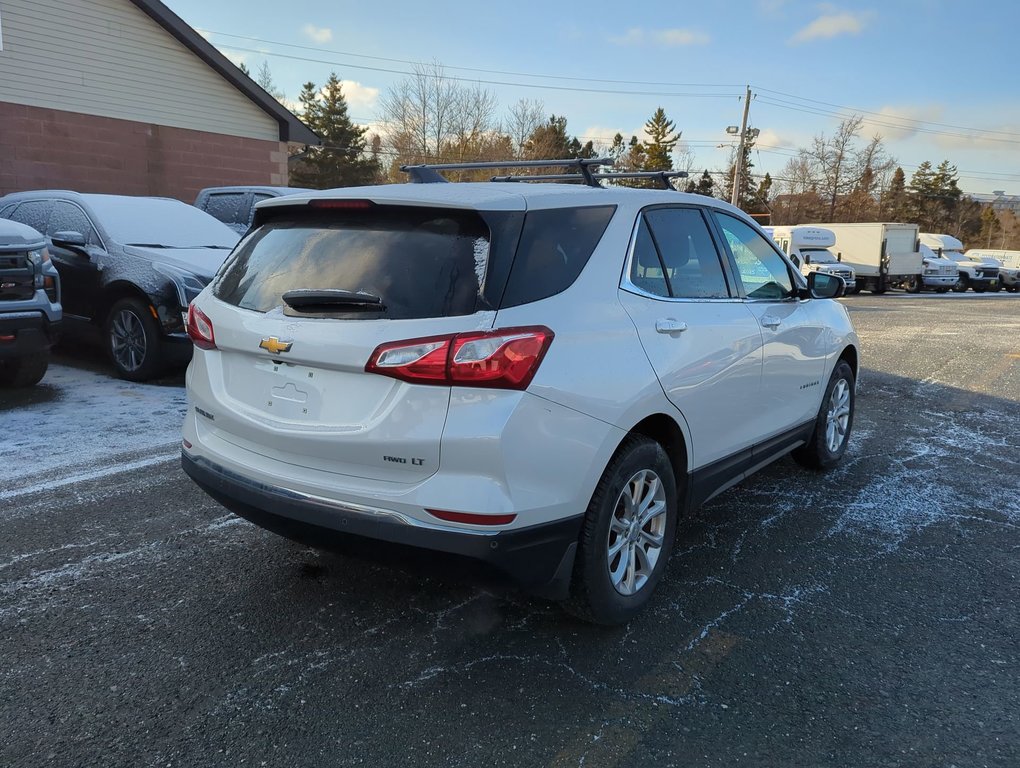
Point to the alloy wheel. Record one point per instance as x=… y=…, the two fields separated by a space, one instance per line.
x=636 y=532
x=837 y=420
x=127 y=340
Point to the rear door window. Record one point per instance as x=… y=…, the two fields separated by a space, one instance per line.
x=34 y=213
x=420 y=262
x=554 y=247
x=691 y=261
x=228 y=207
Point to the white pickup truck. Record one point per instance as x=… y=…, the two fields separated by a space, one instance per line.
x=1009 y=265
x=809 y=249
x=980 y=274
x=940 y=273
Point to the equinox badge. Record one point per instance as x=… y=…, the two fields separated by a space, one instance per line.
x=274 y=346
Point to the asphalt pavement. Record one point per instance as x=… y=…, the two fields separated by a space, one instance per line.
x=865 y=617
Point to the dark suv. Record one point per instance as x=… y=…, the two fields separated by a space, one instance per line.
x=29 y=305
x=128 y=266
x=235 y=206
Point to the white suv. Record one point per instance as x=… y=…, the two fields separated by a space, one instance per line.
x=544 y=376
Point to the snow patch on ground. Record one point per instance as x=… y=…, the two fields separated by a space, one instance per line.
x=93 y=418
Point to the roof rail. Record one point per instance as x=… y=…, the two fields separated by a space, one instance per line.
x=662 y=176
x=428 y=173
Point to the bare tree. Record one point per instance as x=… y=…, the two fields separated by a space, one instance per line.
x=833 y=160
x=429 y=116
x=523 y=119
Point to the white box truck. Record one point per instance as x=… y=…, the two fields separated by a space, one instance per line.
x=809 y=248
x=1009 y=265
x=979 y=274
x=883 y=255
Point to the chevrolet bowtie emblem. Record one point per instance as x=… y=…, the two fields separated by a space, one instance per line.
x=274 y=346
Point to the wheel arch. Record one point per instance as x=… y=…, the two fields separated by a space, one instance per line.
x=665 y=430
x=114 y=292
x=852 y=357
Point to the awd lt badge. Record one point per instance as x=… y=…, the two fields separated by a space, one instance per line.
x=274 y=346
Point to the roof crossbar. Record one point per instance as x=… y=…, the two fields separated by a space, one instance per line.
x=662 y=176
x=429 y=173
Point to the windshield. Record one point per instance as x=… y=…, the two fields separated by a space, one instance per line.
x=955 y=255
x=819 y=255
x=159 y=222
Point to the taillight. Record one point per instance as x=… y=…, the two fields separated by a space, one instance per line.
x=200 y=328
x=507 y=358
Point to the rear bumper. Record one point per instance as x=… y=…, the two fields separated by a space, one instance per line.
x=25 y=333
x=539 y=557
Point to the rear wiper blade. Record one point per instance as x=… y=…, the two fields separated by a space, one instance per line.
x=306 y=298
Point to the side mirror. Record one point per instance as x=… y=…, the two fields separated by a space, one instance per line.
x=68 y=239
x=821 y=285
x=807 y=258
x=839 y=256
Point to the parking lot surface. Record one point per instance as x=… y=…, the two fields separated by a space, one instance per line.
x=864 y=617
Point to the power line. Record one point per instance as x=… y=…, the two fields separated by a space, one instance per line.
x=490 y=82
x=471 y=69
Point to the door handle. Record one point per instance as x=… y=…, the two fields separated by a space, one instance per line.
x=670 y=326
x=771 y=321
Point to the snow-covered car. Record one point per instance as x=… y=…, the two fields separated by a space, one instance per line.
x=30 y=313
x=235 y=206
x=544 y=376
x=129 y=266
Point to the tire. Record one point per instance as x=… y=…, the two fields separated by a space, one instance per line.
x=605 y=589
x=962 y=284
x=978 y=288
x=24 y=371
x=915 y=284
x=824 y=450
x=943 y=290
x=996 y=288
x=132 y=341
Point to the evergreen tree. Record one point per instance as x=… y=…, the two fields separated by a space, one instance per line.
x=265 y=79
x=948 y=194
x=341 y=161
x=990 y=227
x=922 y=193
x=662 y=138
x=703 y=186
x=896 y=203
x=244 y=68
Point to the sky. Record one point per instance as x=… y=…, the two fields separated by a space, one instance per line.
x=937 y=79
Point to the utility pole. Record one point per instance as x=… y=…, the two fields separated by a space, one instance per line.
x=740 y=150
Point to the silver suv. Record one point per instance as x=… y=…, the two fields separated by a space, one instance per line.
x=544 y=376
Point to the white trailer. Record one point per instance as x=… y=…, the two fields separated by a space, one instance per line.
x=883 y=255
x=810 y=249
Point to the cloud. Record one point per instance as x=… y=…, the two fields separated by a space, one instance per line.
x=320 y=35
x=895 y=123
x=769 y=138
x=236 y=57
x=832 y=23
x=667 y=38
x=359 y=97
x=771 y=7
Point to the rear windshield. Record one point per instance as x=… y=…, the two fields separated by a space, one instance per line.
x=420 y=262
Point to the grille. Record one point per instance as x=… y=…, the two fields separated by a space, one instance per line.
x=17 y=278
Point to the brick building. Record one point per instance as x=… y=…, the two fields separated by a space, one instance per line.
x=121 y=96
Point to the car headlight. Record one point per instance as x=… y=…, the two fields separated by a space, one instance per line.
x=188 y=284
x=39 y=256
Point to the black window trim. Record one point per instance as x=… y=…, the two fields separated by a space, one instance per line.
x=733 y=286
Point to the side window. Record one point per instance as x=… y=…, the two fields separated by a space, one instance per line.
x=762 y=270
x=228 y=207
x=555 y=245
x=34 y=214
x=68 y=217
x=5 y=212
x=645 y=267
x=693 y=268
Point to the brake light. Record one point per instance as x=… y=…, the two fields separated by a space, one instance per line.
x=355 y=205
x=507 y=358
x=200 y=328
